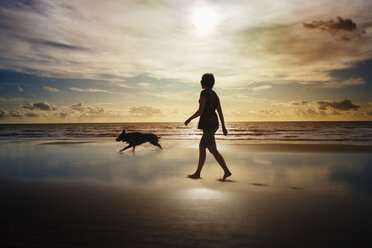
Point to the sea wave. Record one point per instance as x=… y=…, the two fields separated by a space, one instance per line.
x=348 y=132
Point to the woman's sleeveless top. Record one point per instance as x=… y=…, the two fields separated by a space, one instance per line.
x=209 y=119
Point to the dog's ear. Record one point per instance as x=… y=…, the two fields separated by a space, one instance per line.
x=123 y=130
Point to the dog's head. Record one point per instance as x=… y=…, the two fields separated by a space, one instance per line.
x=121 y=136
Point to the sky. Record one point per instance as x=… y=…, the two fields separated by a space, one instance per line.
x=142 y=61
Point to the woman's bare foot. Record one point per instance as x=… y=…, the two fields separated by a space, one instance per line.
x=227 y=174
x=194 y=176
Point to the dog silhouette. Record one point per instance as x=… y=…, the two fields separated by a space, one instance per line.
x=136 y=138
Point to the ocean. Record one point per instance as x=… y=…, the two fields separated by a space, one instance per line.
x=265 y=132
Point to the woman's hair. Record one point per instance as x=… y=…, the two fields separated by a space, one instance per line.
x=208 y=80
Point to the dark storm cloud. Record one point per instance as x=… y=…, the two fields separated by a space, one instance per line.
x=344 y=105
x=39 y=106
x=332 y=25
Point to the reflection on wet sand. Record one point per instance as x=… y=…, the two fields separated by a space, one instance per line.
x=89 y=195
x=202 y=193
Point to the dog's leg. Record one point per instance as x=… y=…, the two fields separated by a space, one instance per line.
x=158 y=145
x=155 y=143
x=125 y=148
x=134 y=147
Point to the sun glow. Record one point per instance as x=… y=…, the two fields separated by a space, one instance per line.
x=204 y=19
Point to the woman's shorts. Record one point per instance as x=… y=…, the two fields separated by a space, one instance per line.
x=207 y=140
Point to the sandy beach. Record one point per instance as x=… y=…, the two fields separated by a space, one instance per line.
x=77 y=194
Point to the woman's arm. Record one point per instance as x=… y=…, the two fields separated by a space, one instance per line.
x=199 y=111
x=220 y=114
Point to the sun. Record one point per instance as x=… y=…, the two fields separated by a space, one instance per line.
x=204 y=20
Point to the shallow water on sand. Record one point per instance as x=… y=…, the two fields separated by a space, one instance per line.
x=89 y=194
x=149 y=166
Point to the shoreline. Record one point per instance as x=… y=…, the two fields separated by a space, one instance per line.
x=229 y=144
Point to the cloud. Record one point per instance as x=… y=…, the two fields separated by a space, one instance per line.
x=332 y=110
x=343 y=29
x=269 y=112
x=43 y=111
x=253 y=114
x=63 y=115
x=263 y=87
x=81 y=107
x=145 y=85
x=340 y=84
x=331 y=25
x=14 y=113
x=11 y=99
x=343 y=105
x=10 y=114
x=78 y=107
x=2 y=113
x=135 y=85
x=297 y=103
x=90 y=90
x=149 y=37
x=305 y=112
x=145 y=111
x=56 y=45
x=250 y=43
x=39 y=7
x=43 y=105
x=50 y=89
x=31 y=114
x=354 y=81
x=20 y=89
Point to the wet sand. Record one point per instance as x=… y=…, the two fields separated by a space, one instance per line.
x=89 y=195
x=313 y=148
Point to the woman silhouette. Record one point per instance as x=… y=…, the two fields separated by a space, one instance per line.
x=208 y=122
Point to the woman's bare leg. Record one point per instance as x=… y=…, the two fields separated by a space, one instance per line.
x=202 y=156
x=220 y=161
